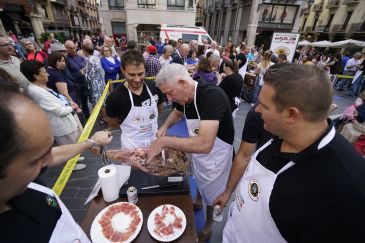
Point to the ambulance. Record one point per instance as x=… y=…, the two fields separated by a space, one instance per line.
x=187 y=33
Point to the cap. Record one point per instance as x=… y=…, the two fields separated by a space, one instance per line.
x=152 y=49
x=57 y=47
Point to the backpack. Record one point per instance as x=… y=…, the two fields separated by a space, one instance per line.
x=45 y=58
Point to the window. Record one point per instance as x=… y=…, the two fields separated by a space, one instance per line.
x=204 y=37
x=191 y=3
x=116 y=4
x=347 y=20
x=330 y=20
x=176 y=4
x=146 y=3
x=118 y=28
x=189 y=37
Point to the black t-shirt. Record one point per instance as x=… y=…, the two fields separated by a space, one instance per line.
x=212 y=104
x=321 y=197
x=253 y=130
x=243 y=59
x=232 y=85
x=32 y=218
x=118 y=103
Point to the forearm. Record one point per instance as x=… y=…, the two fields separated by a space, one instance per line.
x=189 y=145
x=239 y=165
x=63 y=153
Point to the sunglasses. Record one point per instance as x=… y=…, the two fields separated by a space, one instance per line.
x=181 y=42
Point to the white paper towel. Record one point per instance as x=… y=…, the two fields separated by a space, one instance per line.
x=108 y=177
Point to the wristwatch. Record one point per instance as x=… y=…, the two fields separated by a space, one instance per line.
x=92 y=141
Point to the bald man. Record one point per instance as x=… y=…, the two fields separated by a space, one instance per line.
x=109 y=42
x=24 y=153
x=76 y=66
x=88 y=42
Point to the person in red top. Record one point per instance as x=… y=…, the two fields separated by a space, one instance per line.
x=33 y=54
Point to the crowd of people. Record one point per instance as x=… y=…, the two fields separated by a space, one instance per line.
x=293 y=178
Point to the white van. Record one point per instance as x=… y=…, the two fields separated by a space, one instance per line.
x=187 y=33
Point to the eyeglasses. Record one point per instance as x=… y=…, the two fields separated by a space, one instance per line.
x=181 y=41
x=6 y=44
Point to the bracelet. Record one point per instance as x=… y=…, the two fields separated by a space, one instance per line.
x=92 y=141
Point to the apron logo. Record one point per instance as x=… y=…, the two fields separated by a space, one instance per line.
x=51 y=201
x=196 y=131
x=137 y=119
x=152 y=116
x=253 y=190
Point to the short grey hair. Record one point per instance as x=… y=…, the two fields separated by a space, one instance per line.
x=168 y=48
x=214 y=57
x=172 y=73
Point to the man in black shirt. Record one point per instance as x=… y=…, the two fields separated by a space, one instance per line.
x=306 y=184
x=211 y=132
x=30 y=212
x=134 y=106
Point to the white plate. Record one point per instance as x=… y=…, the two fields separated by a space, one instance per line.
x=177 y=232
x=123 y=220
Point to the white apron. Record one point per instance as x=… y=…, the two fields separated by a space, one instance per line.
x=249 y=218
x=243 y=70
x=140 y=126
x=66 y=230
x=211 y=170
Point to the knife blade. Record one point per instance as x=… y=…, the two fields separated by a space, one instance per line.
x=159 y=186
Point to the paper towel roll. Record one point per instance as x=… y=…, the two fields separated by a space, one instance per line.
x=108 y=177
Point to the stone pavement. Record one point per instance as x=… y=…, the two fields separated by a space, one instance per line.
x=81 y=182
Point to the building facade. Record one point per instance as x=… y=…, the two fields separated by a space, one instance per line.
x=252 y=21
x=23 y=17
x=141 y=19
x=334 y=20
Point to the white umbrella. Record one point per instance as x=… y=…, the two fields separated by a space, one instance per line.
x=323 y=43
x=348 y=43
x=304 y=43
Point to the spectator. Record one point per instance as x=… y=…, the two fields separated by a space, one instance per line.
x=33 y=54
x=110 y=64
x=153 y=65
x=110 y=42
x=201 y=52
x=282 y=58
x=350 y=70
x=131 y=45
x=11 y=64
x=232 y=84
x=213 y=48
x=260 y=71
x=166 y=58
x=94 y=76
x=205 y=72
x=181 y=54
x=76 y=66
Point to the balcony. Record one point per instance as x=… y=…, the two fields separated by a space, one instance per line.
x=338 y=28
x=275 y=25
x=356 y=28
x=322 y=28
x=333 y=4
x=308 y=29
x=317 y=7
x=349 y=2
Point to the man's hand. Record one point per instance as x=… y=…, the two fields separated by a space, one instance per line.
x=222 y=199
x=162 y=131
x=154 y=150
x=102 y=137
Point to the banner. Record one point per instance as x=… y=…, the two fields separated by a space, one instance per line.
x=284 y=43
